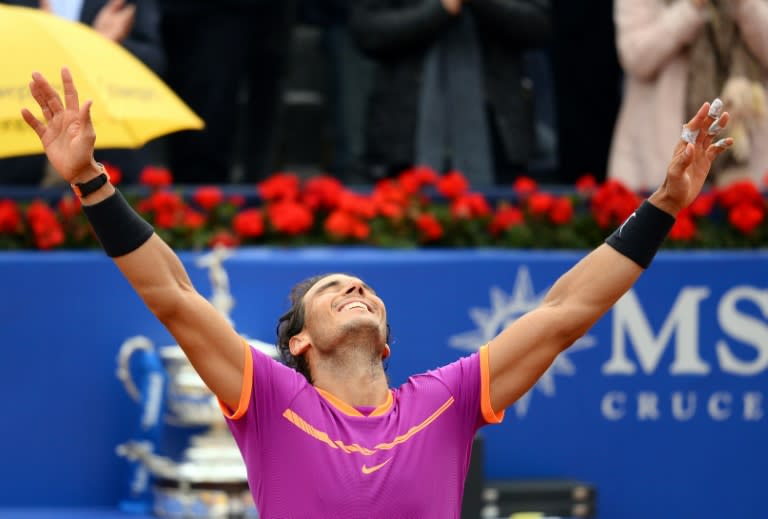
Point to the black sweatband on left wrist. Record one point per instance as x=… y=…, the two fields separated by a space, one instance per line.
x=641 y=235
x=118 y=227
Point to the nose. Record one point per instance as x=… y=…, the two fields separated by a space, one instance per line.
x=356 y=287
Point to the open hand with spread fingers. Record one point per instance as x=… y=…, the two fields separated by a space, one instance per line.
x=67 y=135
x=692 y=158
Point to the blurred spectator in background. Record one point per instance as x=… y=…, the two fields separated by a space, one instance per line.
x=660 y=42
x=587 y=79
x=225 y=60
x=448 y=90
x=136 y=25
x=348 y=81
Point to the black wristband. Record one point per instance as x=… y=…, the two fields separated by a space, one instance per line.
x=118 y=227
x=641 y=235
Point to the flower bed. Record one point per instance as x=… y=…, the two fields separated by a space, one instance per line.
x=419 y=208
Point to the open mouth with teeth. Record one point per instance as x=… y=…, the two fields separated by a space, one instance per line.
x=354 y=305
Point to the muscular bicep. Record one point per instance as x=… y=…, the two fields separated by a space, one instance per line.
x=211 y=344
x=207 y=338
x=521 y=354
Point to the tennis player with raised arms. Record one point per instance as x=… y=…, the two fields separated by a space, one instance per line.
x=322 y=434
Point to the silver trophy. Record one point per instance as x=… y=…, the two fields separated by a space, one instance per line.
x=210 y=480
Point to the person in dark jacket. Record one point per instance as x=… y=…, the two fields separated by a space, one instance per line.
x=226 y=58
x=450 y=90
x=135 y=24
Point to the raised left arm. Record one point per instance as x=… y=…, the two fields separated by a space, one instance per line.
x=522 y=352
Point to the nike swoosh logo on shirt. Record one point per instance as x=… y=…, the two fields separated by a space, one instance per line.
x=370 y=470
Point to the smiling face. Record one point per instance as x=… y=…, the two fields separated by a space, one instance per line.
x=341 y=309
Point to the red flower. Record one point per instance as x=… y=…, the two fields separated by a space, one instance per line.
x=561 y=211
x=248 y=223
x=412 y=180
x=524 y=187
x=290 y=217
x=391 y=210
x=50 y=236
x=741 y=192
x=505 y=218
x=341 y=224
x=166 y=219
x=389 y=199
x=46 y=228
x=193 y=219
x=10 y=217
x=429 y=227
x=357 y=205
x=612 y=203
x=586 y=184
x=164 y=202
x=223 y=239
x=452 y=185
x=115 y=173
x=471 y=205
x=540 y=203
x=208 y=197
x=39 y=211
x=155 y=177
x=684 y=228
x=322 y=192
x=361 y=230
x=280 y=186
x=746 y=217
x=69 y=207
x=703 y=204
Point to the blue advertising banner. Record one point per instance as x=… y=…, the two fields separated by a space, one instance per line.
x=661 y=405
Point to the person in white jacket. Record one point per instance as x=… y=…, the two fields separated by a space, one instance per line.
x=660 y=43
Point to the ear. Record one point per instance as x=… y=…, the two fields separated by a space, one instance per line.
x=387 y=352
x=299 y=343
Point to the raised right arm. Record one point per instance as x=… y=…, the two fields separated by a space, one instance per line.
x=153 y=269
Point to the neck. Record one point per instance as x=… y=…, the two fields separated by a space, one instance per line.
x=354 y=376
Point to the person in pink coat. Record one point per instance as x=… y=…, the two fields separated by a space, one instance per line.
x=659 y=43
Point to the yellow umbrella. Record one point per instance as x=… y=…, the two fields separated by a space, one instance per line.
x=131 y=105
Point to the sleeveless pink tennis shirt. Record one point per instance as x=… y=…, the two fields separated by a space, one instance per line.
x=311 y=456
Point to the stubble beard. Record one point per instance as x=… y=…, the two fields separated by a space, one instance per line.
x=358 y=342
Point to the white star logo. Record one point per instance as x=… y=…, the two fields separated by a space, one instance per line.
x=505 y=309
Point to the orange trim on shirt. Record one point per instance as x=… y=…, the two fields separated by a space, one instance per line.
x=383 y=408
x=245 y=391
x=348 y=410
x=413 y=430
x=485 y=389
x=322 y=436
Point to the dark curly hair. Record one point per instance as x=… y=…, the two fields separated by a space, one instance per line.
x=292 y=322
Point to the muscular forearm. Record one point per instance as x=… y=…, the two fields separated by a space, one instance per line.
x=152 y=269
x=158 y=276
x=588 y=290
x=584 y=293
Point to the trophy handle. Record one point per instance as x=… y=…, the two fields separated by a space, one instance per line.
x=129 y=347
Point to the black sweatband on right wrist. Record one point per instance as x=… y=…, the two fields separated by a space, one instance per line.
x=118 y=227
x=641 y=235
